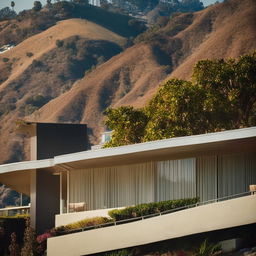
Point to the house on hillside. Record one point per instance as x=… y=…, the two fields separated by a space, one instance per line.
x=216 y=167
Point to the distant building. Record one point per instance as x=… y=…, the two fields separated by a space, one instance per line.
x=94 y=2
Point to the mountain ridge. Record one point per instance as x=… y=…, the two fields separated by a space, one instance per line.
x=128 y=77
x=206 y=25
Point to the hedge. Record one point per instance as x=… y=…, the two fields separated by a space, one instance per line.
x=90 y=222
x=150 y=208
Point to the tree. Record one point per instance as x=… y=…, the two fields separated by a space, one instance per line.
x=37 y=6
x=81 y=1
x=143 y=4
x=222 y=95
x=232 y=83
x=7 y=13
x=12 y=4
x=128 y=125
x=176 y=110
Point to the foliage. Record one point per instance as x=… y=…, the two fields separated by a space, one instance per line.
x=9 y=197
x=83 y=224
x=13 y=247
x=29 y=240
x=222 y=95
x=142 y=4
x=17 y=216
x=123 y=252
x=128 y=125
x=176 y=110
x=165 y=27
x=12 y=4
x=207 y=249
x=42 y=241
x=231 y=89
x=37 y=6
x=37 y=100
x=5 y=59
x=29 y=54
x=9 y=226
x=150 y=208
x=7 y=13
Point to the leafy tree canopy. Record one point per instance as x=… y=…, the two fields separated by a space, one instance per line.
x=37 y=6
x=128 y=125
x=222 y=95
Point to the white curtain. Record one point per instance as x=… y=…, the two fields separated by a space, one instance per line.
x=235 y=173
x=206 y=167
x=208 y=177
x=176 y=179
x=113 y=186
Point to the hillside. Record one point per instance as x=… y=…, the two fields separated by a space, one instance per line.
x=30 y=22
x=44 y=66
x=220 y=31
x=74 y=70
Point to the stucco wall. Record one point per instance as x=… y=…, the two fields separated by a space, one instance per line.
x=205 y=218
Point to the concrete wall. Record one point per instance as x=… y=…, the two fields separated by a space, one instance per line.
x=235 y=212
x=67 y=218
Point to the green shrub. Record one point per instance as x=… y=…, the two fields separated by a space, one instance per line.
x=150 y=208
x=90 y=222
x=123 y=252
x=6 y=59
x=29 y=54
x=59 y=43
x=207 y=249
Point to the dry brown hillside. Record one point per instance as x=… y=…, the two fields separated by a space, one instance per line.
x=226 y=30
x=134 y=73
x=40 y=70
x=44 y=66
x=220 y=31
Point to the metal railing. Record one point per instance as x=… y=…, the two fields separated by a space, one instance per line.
x=12 y=211
x=114 y=223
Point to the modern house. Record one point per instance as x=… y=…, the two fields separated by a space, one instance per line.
x=212 y=166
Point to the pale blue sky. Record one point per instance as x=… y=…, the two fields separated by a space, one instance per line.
x=27 y=4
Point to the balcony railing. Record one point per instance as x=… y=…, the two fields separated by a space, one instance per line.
x=12 y=211
x=114 y=223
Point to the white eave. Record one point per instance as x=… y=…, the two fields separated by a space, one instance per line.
x=154 y=150
x=26 y=165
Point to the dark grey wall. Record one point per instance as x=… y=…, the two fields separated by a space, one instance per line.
x=59 y=139
x=47 y=200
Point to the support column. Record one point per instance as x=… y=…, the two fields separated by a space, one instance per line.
x=45 y=199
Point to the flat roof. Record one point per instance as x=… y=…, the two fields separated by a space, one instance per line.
x=17 y=175
x=179 y=147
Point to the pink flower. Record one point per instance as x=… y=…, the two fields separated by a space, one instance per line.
x=43 y=237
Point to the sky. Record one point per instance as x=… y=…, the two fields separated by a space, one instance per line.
x=28 y=4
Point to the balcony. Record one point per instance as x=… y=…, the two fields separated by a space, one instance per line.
x=12 y=211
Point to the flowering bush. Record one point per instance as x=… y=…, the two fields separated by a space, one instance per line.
x=42 y=241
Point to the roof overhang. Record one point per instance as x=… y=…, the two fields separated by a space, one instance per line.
x=16 y=175
x=240 y=140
